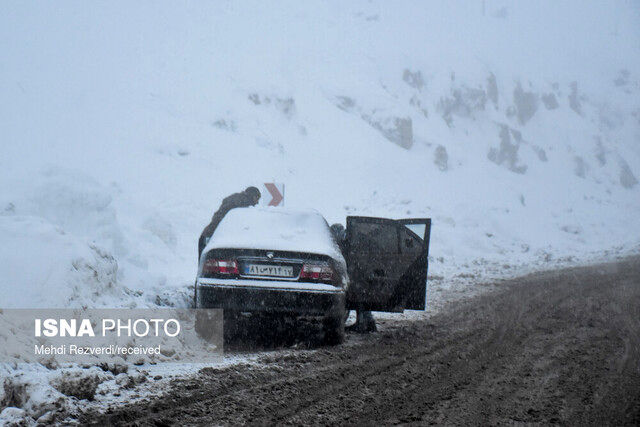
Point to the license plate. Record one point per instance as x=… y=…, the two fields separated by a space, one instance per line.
x=268 y=270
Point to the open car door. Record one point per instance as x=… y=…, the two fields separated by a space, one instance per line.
x=387 y=262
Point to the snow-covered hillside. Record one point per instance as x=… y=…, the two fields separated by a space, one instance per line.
x=514 y=125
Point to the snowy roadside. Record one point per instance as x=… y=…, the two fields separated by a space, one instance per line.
x=35 y=394
x=480 y=277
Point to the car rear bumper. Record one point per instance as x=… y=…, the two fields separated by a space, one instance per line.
x=270 y=296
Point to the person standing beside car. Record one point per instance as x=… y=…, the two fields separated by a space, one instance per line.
x=249 y=197
x=365 y=321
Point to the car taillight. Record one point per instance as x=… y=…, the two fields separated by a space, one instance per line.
x=218 y=266
x=318 y=272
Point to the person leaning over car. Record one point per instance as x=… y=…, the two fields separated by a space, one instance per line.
x=249 y=197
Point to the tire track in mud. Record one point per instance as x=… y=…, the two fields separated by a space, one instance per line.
x=553 y=347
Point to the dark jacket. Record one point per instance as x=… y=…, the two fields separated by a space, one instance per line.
x=236 y=200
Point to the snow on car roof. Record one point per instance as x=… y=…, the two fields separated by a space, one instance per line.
x=277 y=229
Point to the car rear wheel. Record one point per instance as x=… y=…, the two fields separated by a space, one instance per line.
x=231 y=325
x=334 y=330
x=205 y=324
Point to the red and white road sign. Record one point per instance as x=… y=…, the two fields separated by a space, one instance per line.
x=272 y=194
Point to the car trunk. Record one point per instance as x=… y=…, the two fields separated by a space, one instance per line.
x=260 y=264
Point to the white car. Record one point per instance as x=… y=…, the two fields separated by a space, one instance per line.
x=274 y=260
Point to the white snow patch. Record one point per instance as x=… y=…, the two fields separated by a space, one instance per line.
x=277 y=229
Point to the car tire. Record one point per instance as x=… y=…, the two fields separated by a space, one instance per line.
x=334 y=330
x=230 y=326
x=195 y=294
x=204 y=325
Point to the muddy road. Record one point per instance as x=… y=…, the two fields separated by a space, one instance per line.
x=556 y=347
